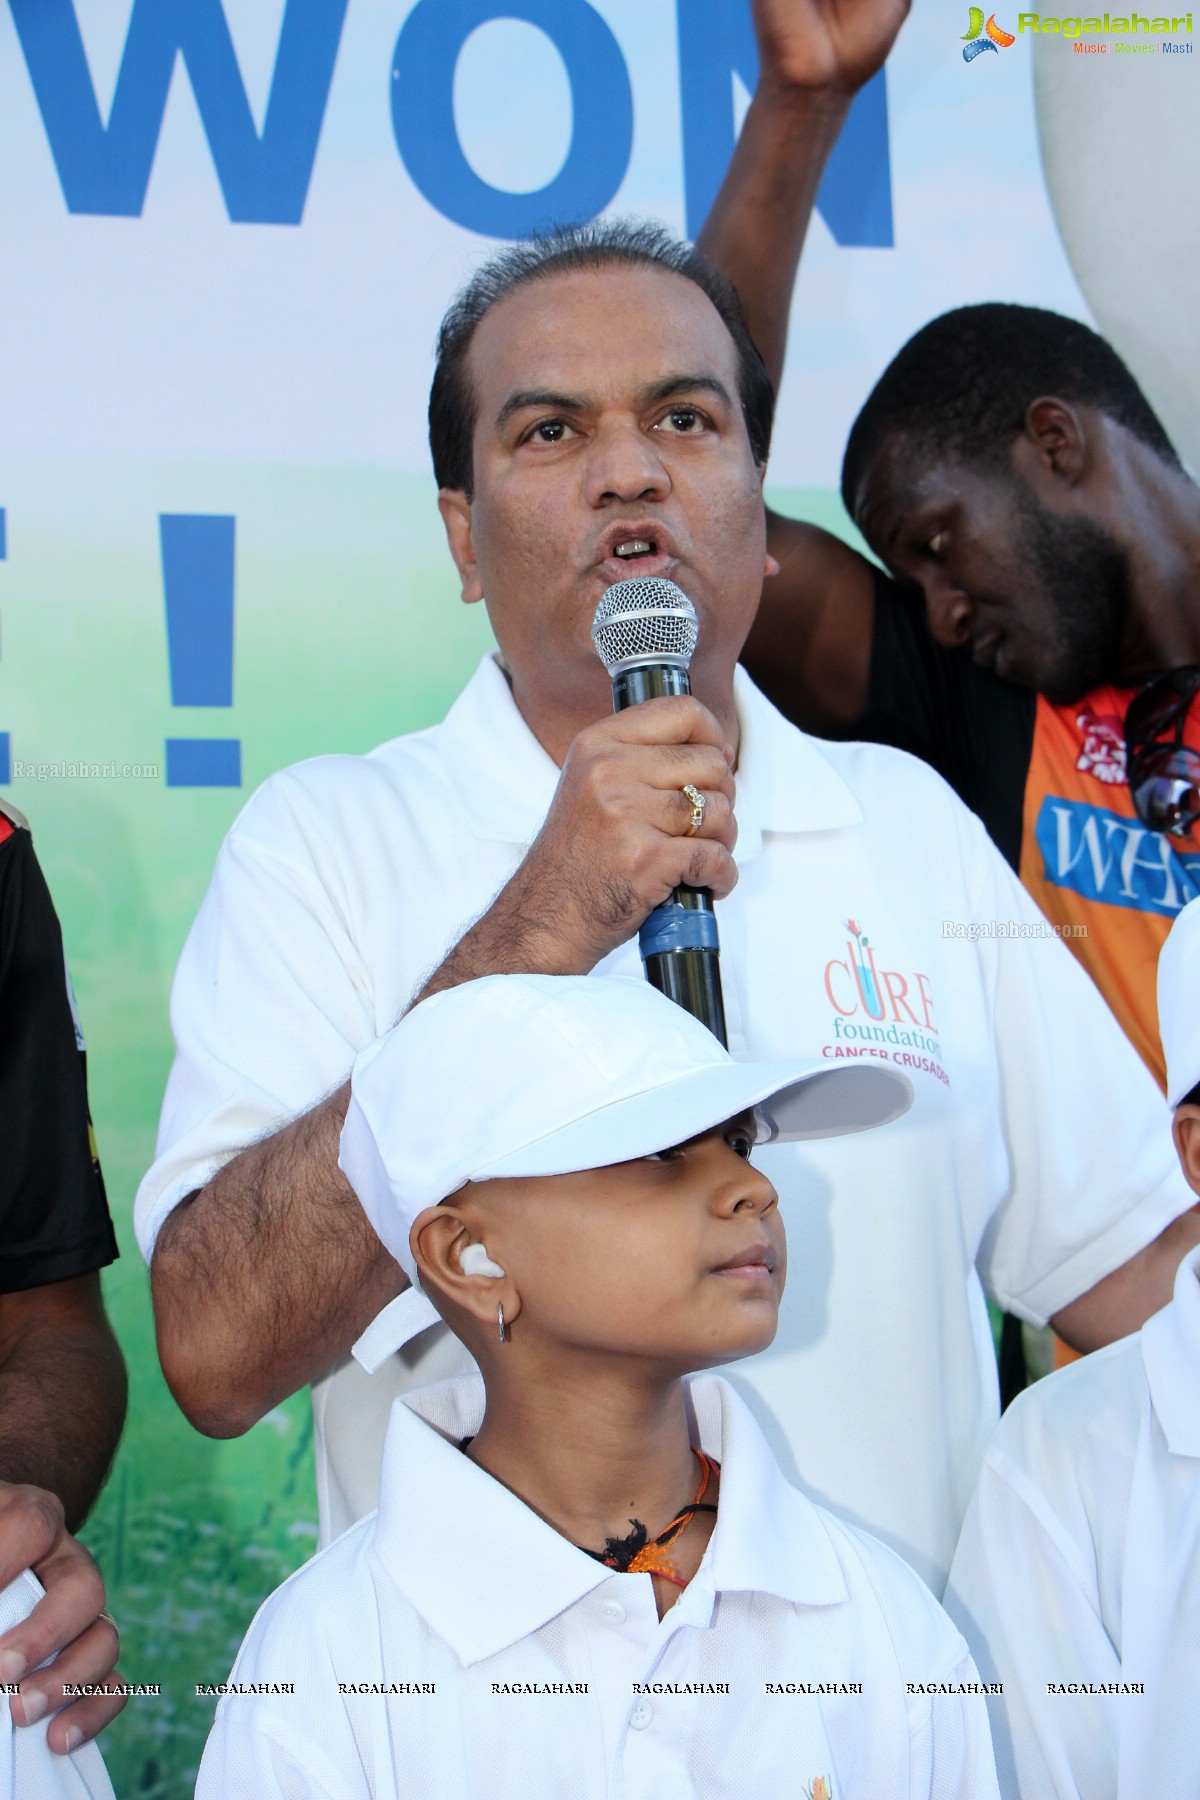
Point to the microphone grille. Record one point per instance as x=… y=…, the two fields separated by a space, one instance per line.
x=644 y=619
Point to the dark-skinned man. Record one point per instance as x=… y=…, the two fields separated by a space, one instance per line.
x=62 y=1376
x=1044 y=548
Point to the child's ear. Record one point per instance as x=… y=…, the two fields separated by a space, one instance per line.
x=1186 y=1131
x=455 y=1264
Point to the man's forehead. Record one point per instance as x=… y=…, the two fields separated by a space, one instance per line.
x=598 y=331
x=903 y=478
x=883 y=495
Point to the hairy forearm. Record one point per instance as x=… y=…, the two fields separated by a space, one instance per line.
x=62 y=1405
x=263 y=1279
x=759 y=220
x=511 y=939
x=1123 y=1301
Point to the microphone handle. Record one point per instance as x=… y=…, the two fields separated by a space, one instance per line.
x=678 y=941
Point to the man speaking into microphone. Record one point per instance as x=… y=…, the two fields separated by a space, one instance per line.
x=599 y=412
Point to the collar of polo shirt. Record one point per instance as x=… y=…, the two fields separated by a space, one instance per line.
x=502 y=1573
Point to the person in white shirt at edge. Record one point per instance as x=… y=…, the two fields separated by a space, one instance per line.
x=608 y=415
x=1077 y=1577
x=588 y=1576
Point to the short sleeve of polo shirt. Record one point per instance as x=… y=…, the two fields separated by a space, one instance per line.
x=54 y=1220
x=973 y=728
x=272 y=1001
x=1094 y=1177
x=245 y=1760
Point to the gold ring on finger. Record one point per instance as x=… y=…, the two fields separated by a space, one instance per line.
x=699 y=802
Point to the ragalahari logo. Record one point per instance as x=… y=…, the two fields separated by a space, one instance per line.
x=979 y=37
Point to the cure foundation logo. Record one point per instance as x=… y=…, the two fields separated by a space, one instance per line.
x=879 y=1012
x=979 y=37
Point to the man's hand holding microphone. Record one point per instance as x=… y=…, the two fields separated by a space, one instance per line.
x=621 y=835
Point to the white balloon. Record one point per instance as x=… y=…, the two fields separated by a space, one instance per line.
x=1120 y=141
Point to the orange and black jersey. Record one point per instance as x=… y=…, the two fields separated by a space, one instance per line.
x=54 y=1220
x=1049 y=784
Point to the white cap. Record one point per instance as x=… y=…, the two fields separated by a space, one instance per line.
x=1179 y=1003
x=549 y=1074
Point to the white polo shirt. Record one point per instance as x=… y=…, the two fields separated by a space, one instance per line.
x=1034 y=1158
x=1077 y=1578
x=456 y=1645
x=29 y=1769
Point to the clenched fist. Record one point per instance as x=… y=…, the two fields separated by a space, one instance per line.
x=834 y=44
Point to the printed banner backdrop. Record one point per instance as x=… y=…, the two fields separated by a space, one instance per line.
x=230 y=229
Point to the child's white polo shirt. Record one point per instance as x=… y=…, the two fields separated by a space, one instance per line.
x=29 y=1769
x=453 y=1644
x=1077 y=1577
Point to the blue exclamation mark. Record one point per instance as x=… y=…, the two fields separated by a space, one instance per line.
x=5 y=740
x=197 y=560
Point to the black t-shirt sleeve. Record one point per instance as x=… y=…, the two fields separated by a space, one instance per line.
x=54 y=1219
x=973 y=728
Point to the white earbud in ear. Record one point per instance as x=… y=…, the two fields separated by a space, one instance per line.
x=474 y=1260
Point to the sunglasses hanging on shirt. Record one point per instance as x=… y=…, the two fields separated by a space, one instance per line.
x=1162 y=771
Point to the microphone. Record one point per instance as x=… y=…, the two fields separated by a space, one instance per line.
x=645 y=631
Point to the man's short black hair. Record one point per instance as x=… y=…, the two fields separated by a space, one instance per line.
x=452 y=404
x=962 y=386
